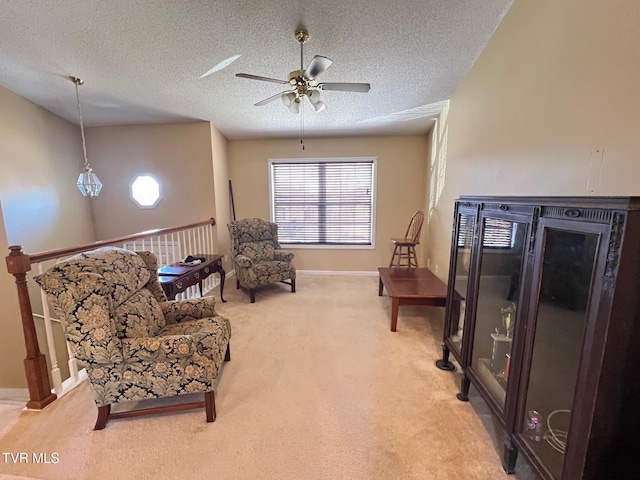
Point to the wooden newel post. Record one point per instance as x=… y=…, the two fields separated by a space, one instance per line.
x=35 y=365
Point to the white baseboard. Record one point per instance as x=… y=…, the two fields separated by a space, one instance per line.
x=69 y=384
x=361 y=273
x=20 y=396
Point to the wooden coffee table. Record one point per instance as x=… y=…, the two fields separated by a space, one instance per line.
x=411 y=286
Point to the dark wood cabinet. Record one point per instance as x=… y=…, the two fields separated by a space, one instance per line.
x=543 y=316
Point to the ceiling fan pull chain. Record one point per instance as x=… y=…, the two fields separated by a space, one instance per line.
x=302 y=128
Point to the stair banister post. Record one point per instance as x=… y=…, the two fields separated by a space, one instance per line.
x=35 y=365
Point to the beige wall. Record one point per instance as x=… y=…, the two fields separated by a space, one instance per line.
x=178 y=155
x=41 y=208
x=40 y=160
x=551 y=107
x=401 y=183
x=221 y=185
x=12 y=349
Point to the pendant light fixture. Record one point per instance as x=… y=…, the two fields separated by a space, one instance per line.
x=88 y=182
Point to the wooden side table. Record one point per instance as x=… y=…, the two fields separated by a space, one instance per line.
x=176 y=278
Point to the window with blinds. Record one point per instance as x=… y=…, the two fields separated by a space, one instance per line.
x=497 y=233
x=323 y=201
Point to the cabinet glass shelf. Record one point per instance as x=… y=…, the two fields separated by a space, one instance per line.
x=501 y=256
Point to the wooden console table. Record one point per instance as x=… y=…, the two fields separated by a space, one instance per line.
x=411 y=286
x=176 y=278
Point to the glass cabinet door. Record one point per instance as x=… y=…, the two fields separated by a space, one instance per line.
x=503 y=246
x=465 y=228
x=567 y=269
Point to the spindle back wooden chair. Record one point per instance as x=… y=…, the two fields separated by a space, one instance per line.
x=404 y=249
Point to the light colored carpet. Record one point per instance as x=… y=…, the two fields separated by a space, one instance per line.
x=317 y=388
x=9 y=415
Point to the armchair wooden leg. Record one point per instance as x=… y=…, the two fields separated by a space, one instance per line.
x=227 y=356
x=237 y=284
x=252 y=295
x=210 y=405
x=103 y=417
x=293 y=285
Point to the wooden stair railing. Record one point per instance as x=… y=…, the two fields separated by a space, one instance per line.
x=35 y=365
x=19 y=264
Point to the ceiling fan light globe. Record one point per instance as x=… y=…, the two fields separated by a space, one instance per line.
x=288 y=98
x=315 y=96
x=319 y=106
x=294 y=107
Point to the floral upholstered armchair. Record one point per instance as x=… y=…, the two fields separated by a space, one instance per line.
x=134 y=343
x=257 y=257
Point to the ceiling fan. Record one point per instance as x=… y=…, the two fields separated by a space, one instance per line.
x=303 y=82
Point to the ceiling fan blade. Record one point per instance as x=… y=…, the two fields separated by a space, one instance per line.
x=318 y=65
x=264 y=79
x=346 y=87
x=271 y=98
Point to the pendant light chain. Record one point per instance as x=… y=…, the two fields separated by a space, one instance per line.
x=88 y=182
x=77 y=81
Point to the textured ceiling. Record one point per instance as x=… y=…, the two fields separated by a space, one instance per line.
x=142 y=60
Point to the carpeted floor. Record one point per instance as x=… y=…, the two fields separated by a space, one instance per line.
x=317 y=388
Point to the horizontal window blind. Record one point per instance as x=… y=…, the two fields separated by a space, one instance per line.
x=323 y=202
x=465 y=230
x=497 y=233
